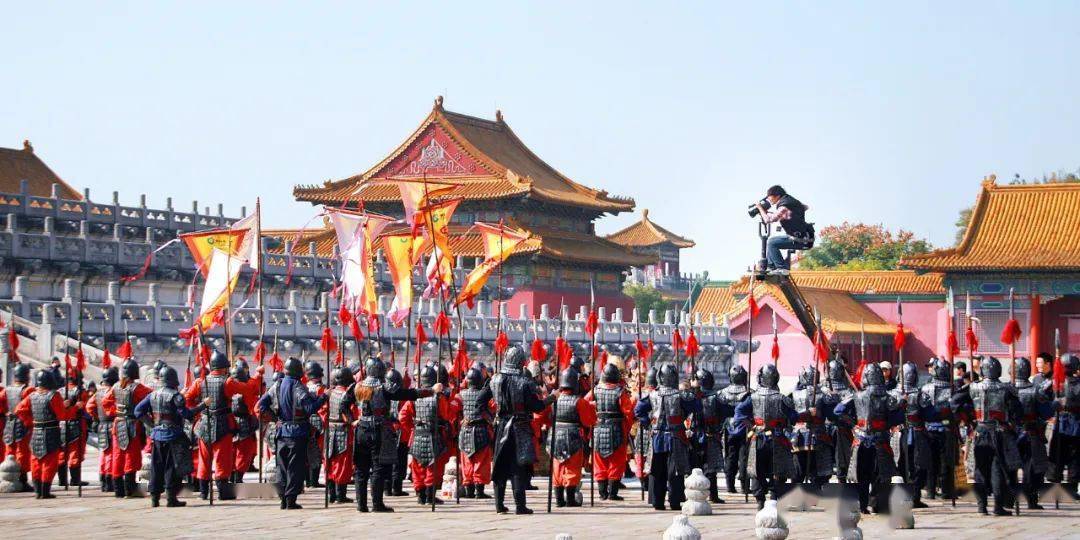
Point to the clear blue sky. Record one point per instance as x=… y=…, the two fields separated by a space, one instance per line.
x=866 y=112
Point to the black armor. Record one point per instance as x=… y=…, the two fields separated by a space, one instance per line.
x=509 y=389
x=475 y=434
x=45 y=436
x=427 y=444
x=771 y=421
x=709 y=427
x=125 y=425
x=14 y=430
x=375 y=430
x=246 y=423
x=810 y=433
x=668 y=425
x=567 y=432
x=608 y=432
x=340 y=417
x=214 y=421
x=71 y=430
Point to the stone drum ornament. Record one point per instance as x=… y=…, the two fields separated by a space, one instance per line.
x=681 y=529
x=900 y=505
x=697 y=495
x=769 y=524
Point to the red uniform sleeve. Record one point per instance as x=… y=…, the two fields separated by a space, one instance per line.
x=193 y=394
x=541 y=420
x=3 y=401
x=405 y=417
x=22 y=410
x=91 y=405
x=626 y=405
x=140 y=393
x=590 y=397
x=60 y=409
x=447 y=410
x=586 y=413
x=108 y=403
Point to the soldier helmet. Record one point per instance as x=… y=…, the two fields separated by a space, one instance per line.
x=1070 y=362
x=650 y=377
x=218 y=360
x=314 y=370
x=872 y=375
x=342 y=376
x=110 y=376
x=442 y=374
x=940 y=369
x=513 y=359
x=611 y=373
x=910 y=373
x=240 y=371
x=737 y=375
x=197 y=372
x=990 y=368
x=130 y=369
x=568 y=379
x=475 y=378
x=1023 y=369
x=837 y=373
x=158 y=365
x=705 y=379
x=277 y=376
x=44 y=379
x=806 y=376
x=768 y=376
x=21 y=373
x=374 y=368
x=668 y=376
x=577 y=363
x=355 y=367
x=294 y=368
x=169 y=377
x=428 y=376
x=394 y=382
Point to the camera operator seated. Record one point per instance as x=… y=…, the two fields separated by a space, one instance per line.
x=779 y=207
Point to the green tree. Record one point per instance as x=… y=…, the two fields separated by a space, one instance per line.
x=1054 y=178
x=646 y=298
x=857 y=246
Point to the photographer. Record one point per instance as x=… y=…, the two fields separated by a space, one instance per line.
x=779 y=207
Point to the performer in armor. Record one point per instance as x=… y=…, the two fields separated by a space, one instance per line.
x=215 y=426
x=992 y=454
x=837 y=388
x=735 y=447
x=44 y=409
x=669 y=457
x=1065 y=444
x=426 y=419
x=709 y=430
x=942 y=431
x=914 y=443
x=811 y=441
x=614 y=416
x=170 y=455
x=245 y=444
x=73 y=432
x=400 y=468
x=573 y=416
x=475 y=437
x=639 y=439
x=101 y=423
x=17 y=432
x=768 y=415
x=128 y=435
x=1036 y=403
x=375 y=448
x=289 y=403
x=339 y=414
x=516 y=400
x=314 y=373
x=875 y=412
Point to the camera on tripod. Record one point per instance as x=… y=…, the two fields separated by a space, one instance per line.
x=754 y=210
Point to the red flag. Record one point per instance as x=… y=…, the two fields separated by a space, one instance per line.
x=125 y=349
x=354 y=328
x=188 y=334
x=260 y=353
x=538 y=353
x=677 y=340
x=502 y=342
x=442 y=325
x=592 y=323
x=652 y=348
x=595 y=352
x=952 y=345
x=340 y=360
x=642 y=352
x=373 y=324
x=327 y=343
x=821 y=347
x=421 y=336
x=1011 y=333
x=775 y=348
x=972 y=340
x=204 y=359
x=563 y=352
x=857 y=378
x=275 y=362
x=899 y=338
x=461 y=360
x=754 y=307
x=187 y=378
x=692 y=345
x=106 y=360
x=80 y=360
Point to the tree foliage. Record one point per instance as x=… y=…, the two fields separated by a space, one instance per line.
x=857 y=246
x=646 y=298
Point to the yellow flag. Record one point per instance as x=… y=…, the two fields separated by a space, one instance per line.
x=202 y=245
x=499 y=243
x=222 y=272
x=402 y=251
x=436 y=221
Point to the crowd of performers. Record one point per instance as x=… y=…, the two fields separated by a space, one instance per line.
x=370 y=426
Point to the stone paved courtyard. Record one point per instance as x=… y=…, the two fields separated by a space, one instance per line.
x=99 y=515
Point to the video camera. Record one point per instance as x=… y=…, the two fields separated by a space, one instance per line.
x=764 y=203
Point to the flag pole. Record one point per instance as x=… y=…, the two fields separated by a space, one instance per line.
x=903 y=392
x=326 y=428
x=78 y=485
x=592 y=378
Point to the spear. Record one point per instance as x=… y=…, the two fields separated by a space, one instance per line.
x=326 y=428
x=903 y=388
x=1057 y=394
x=641 y=384
x=750 y=338
x=80 y=355
x=1012 y=361
x=592 y=362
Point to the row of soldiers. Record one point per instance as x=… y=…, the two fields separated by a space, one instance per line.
x=364 y=425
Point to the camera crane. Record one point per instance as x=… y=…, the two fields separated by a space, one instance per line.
x=795 y=299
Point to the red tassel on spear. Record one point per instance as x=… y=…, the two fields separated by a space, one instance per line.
x=692 y=345
x=502 y=342
x=327 y=343
x=538 y=353
x=442 y=325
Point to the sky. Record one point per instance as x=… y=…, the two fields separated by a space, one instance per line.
x=867 y=112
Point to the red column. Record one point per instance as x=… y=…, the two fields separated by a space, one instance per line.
x=1035 y=320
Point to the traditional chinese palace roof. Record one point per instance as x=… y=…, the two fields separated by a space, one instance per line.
x=485 y=157
x=831 y=292
x=645 y=233
x=1014 y=228
x=19 y=165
